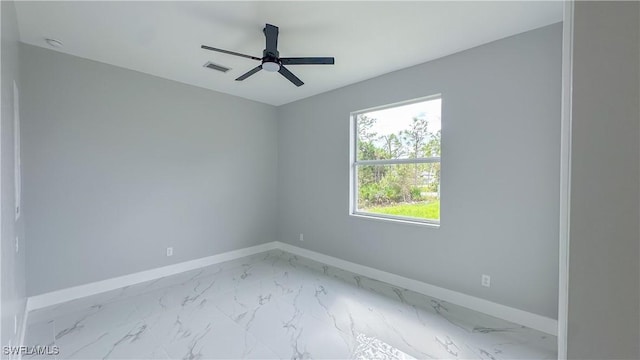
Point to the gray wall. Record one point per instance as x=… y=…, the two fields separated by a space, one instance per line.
x=500 y=173
x=12 y=288
x=603 y=271
x=120 y=165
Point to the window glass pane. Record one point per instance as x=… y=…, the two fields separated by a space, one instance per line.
x=408 y=190
x=401 y=132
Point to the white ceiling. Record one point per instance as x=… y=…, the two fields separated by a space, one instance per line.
x=366 y=38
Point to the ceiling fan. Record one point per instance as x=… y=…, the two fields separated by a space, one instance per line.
x=271 y=60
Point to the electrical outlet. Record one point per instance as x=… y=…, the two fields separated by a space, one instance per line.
x=301 y=237
x=17 y=244
x=486 y=280
x=169 y=251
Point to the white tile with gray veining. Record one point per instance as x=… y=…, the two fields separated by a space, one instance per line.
x=276 y=305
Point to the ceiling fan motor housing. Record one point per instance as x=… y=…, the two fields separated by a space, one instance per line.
x=270 y=55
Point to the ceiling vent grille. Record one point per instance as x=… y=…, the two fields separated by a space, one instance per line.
x=213 y=66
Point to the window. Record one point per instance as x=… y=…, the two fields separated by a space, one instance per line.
x=395 y=161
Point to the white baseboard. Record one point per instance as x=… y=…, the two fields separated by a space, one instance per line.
x=534 y=321
x=538 y=322
x=60 y=296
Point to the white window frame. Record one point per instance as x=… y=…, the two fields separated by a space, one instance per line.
x=354 y=163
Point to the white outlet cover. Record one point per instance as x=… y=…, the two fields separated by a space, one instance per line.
x=301 y=237
x=486 y=281
x=17 y=243
x=169 y=251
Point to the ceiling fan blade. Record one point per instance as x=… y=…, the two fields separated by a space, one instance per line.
x=271 y=33
x=286 y=73
x=229 y=52
x=308 y=61
x=249 y=73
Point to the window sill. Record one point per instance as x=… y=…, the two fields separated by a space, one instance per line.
x=397 y=220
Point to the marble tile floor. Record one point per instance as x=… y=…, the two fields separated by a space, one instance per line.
x=275 y=305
